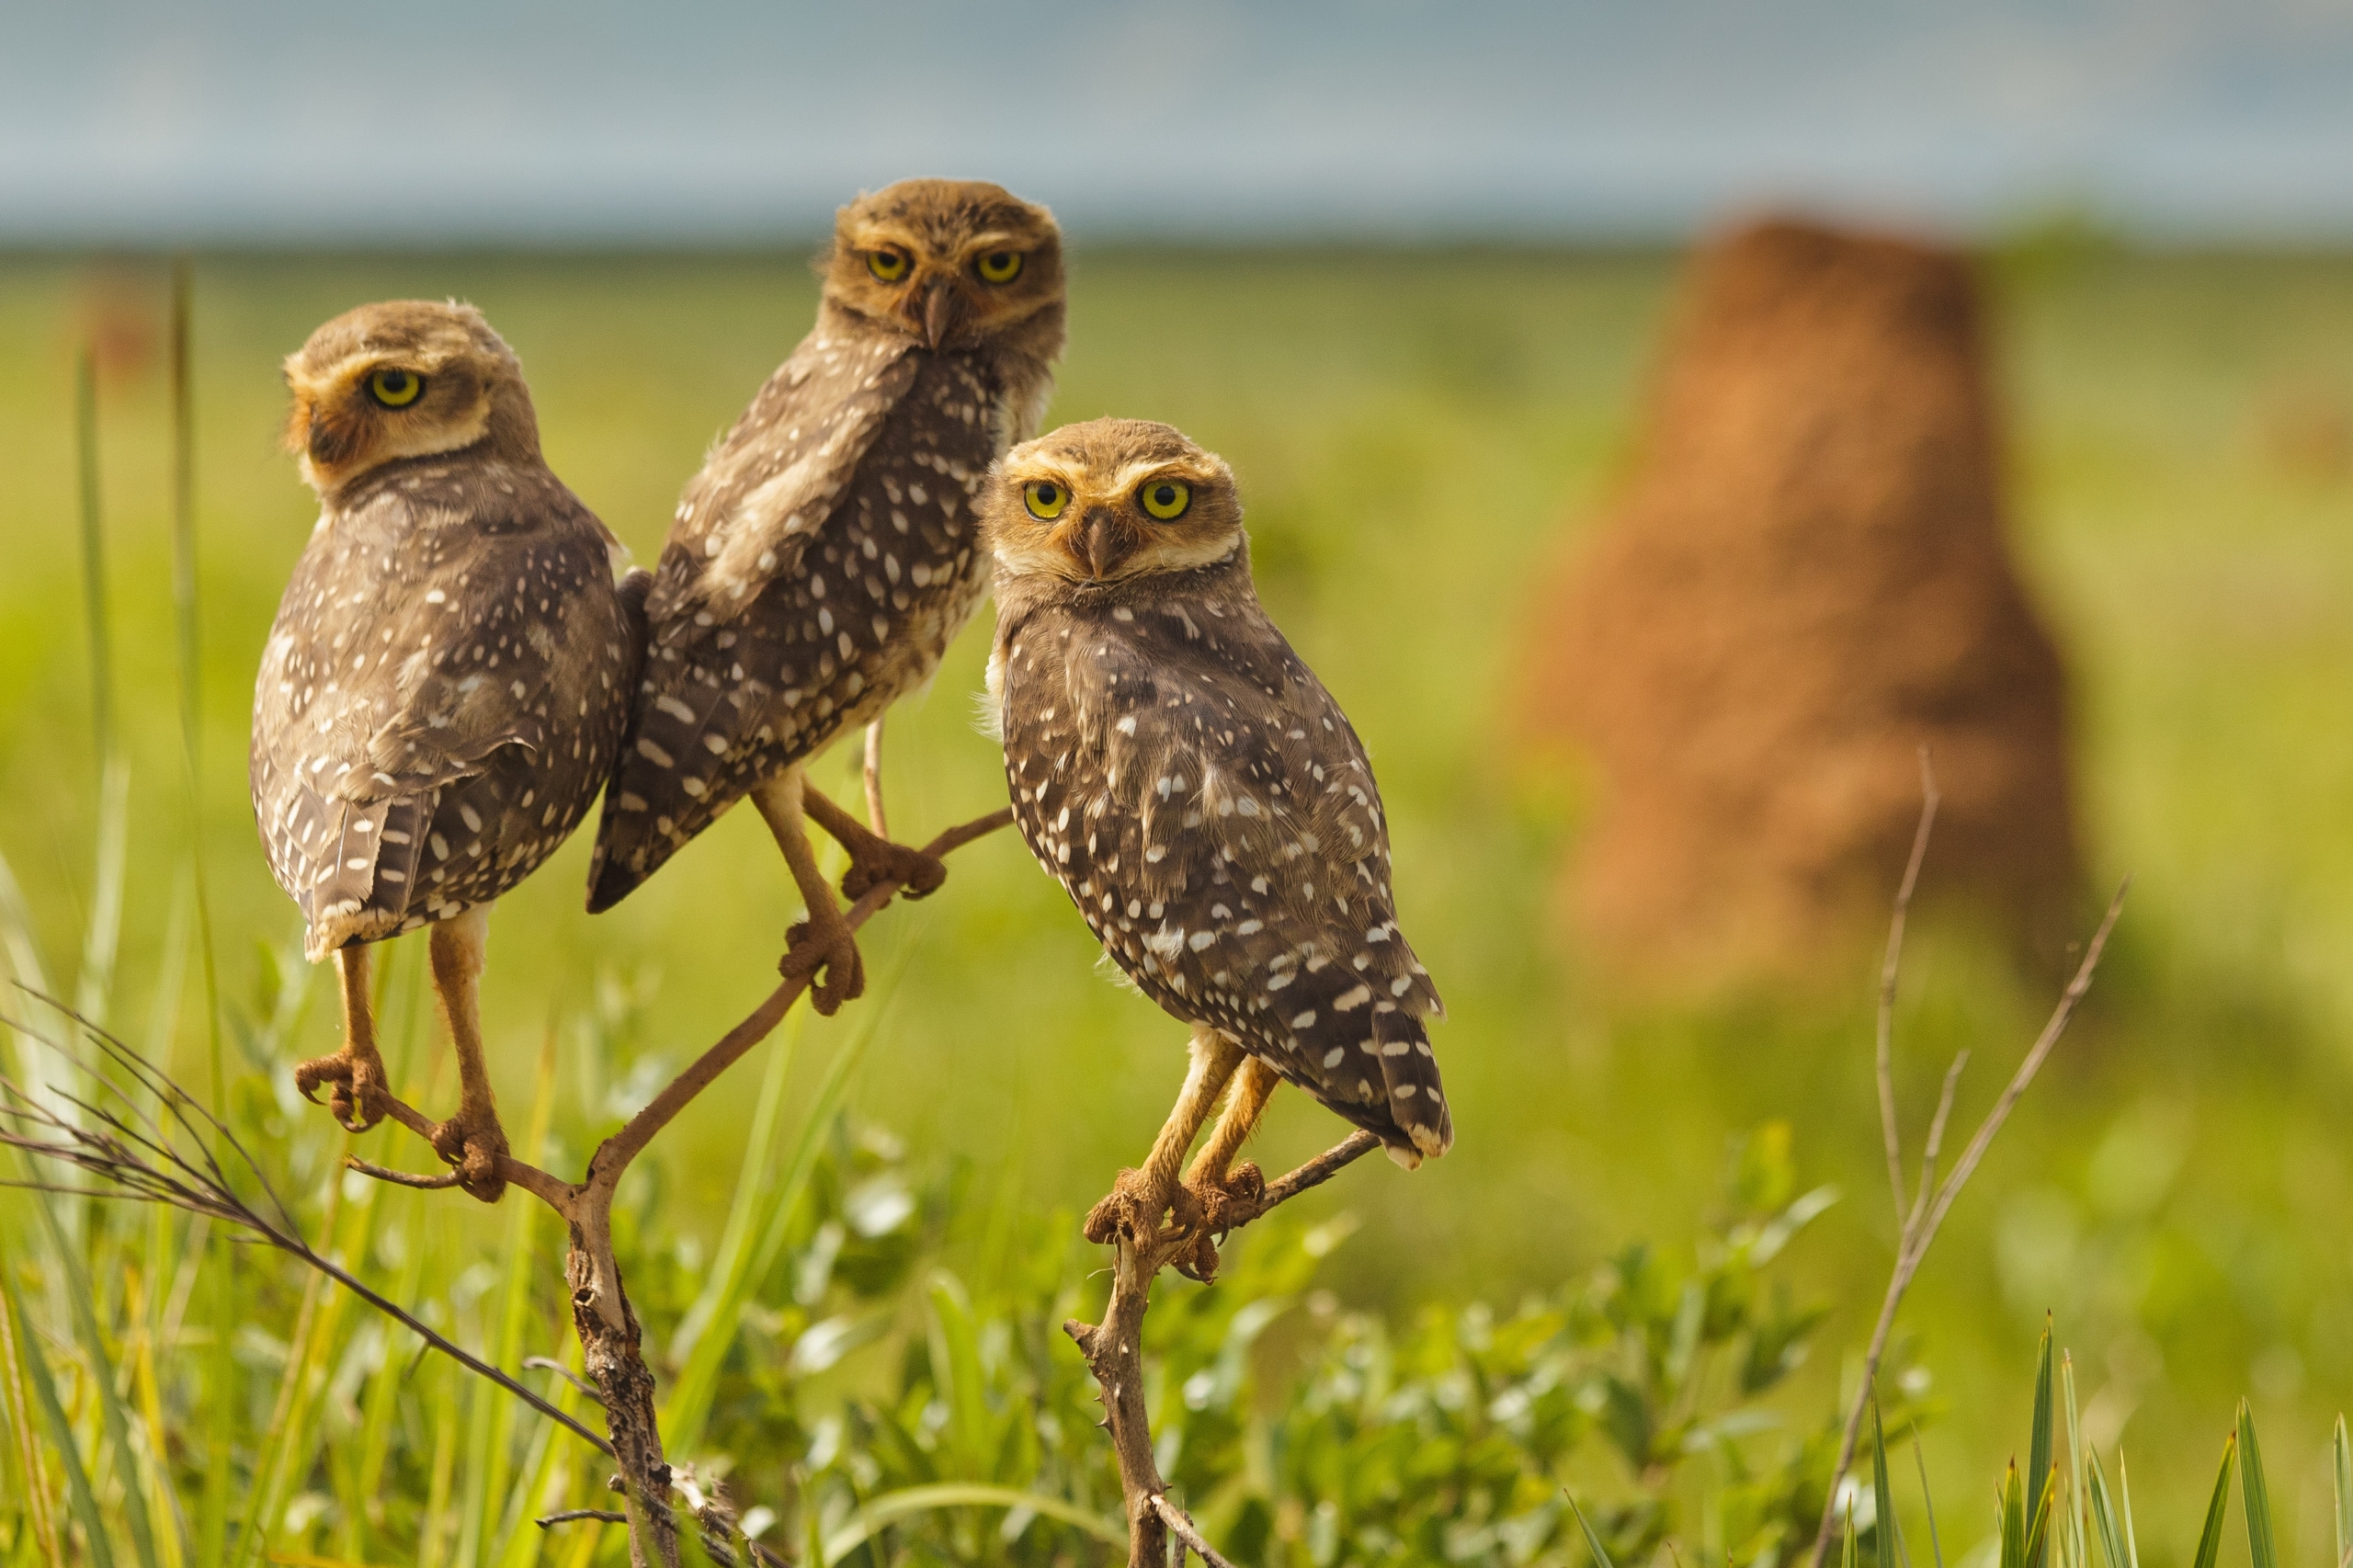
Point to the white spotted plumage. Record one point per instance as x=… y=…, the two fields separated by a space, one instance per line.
x=1211 y=812
x=824 y=557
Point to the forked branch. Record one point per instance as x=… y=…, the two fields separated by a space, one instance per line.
x=167 y=1156
x=1920 y=1218
x=1114 y=1352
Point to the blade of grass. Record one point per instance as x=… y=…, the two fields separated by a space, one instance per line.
x=2343 y=1453
x=2010 y=1505
x=545 y=1472
x=151 y=1413
x=490 y=1437
x=725 y=1282
x=2260 y=1551
x=688 y=1406
x=1920 y=1457
x=113 y=1419
x=184 y=618
x=2078 y=1528
x=2124 y=1500
x=39 y=1507
x=2104 y=1517
x=1592 y=1541
x=2210 y=1539
x=93 y=569
x=1883 y=1496
x=84 y=1503
x=222 y=1397
x=278 y=1438
x=2037 y=1463
x=435 y=1523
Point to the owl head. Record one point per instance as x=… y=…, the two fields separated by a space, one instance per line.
x=1109 y=500
x=404 y=379
x=952 y=264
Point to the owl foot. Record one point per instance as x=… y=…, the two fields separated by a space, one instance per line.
x=1133 y=1207
x=471 y=1143
x=881 y=863
x=361 y=1098
x=1224 y=1205
x=824 y=943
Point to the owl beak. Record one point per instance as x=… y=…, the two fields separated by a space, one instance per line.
x=328 y=440
x=1104 y=543
x=943 y=312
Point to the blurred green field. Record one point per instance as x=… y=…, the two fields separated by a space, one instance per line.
x=1419 y=435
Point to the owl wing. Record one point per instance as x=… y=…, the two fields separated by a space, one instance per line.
x=1209 y=808
x=745 y=521
x=418 y=639
x=761 y=495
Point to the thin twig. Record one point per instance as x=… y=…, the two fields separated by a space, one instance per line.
x=1180 y=1524
x=1936 y=1143
x=570 y=1515
x=401 y=1178
x=1920 y=1231
x=1890 y=966
x=546 y=1364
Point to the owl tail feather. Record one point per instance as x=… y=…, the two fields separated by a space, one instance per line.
x=1423 y=1123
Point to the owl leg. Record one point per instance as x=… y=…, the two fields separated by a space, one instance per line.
x=825 y=941
x=873 y=859
x=874 y=817
x=1215 y=1181
x=360 y=1095
x=1138 y=1199
x=472 y=1139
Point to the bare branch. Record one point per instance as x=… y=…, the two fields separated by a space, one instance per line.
x=570 y=1515
x=1888 y=970
x=1920 y=1230
x=1114 y=1352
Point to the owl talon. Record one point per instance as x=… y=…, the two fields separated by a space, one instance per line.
x=812 y=946
x=1221 y=1206
x=1132 y=1208
x=913 y=872
x=472 y=1146
x=359 y=1098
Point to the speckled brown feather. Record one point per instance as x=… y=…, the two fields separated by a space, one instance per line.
x=820 y=563
x=1207 y=808
x=442 y=694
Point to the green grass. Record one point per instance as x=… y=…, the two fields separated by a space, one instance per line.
x=1419 y=436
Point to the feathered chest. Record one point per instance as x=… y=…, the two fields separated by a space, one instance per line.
x=1178 y=744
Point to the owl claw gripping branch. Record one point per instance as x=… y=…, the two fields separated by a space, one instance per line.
x=443 y=688
x=825 y=556
x=1207 y=806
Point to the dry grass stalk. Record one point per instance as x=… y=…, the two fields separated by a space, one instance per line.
x=1920 y=1218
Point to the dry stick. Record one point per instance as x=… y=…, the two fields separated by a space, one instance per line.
x=1920 y=1228
x=1114 y=1352
x=601 y=1314
x=1180 y=1525
x=1888 y=969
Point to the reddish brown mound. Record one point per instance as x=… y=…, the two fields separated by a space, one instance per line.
x=1804 y=582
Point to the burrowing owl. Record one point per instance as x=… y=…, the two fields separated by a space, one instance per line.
x=446 y=685
x=827 y=553
x=1202 y=799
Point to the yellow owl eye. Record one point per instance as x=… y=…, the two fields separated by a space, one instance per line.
x=1045 y=499
x=395 y=389
x=1001 y=266
x=1166 y=498
x=887 y=265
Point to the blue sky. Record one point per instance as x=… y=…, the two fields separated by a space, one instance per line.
x=437 y=120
